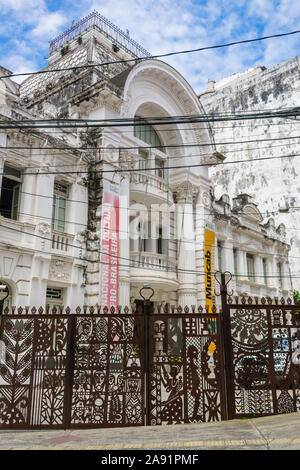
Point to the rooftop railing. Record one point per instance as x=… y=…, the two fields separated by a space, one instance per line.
x=96 y=21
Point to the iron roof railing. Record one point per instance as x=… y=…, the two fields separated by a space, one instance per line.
x=107 y=28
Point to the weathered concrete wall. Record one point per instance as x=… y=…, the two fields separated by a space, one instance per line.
x=275 y=183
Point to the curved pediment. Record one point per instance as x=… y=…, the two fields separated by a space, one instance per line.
x=251 y=211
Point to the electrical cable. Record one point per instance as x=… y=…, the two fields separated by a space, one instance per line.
x=139 y=209
x=170 y=157
x=158 y=147
x=157 y=56
x=168 y=268
x=196 y=165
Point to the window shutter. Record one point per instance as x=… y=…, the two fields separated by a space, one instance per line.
x=54 y=212
x=61 y=214
x=15 y=202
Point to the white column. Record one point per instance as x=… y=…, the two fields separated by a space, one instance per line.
x=27 y=199
x=1 y=167
x=43 y=205
x=273 y=273
x=258 y=269
x=227 y=256
x=241 y=264
x=286 y=280
x=202 y=217
x=228 y=263
x=187 y=291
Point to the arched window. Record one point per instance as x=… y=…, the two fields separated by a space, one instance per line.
x=5 y=296
x=147 y=134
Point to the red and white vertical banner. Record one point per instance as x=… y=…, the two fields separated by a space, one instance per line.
x=109 y=246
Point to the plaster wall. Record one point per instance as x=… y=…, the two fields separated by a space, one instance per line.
x=274 y=183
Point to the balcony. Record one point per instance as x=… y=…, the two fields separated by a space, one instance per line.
x=154 y=185
x=17 y=234
x=62 y=243
x=94 y=20
x=154 y=267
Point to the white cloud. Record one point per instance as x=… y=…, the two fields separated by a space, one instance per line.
x=26 y=11
x=49 y=25
x=19 y=64
x=162 y=26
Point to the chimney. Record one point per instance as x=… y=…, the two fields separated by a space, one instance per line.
x=211 y=85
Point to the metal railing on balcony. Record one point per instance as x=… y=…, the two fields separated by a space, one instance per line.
x=152 y=261
x=96 y=21
x=154 y=181
x=62 y=242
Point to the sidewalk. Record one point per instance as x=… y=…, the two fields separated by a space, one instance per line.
x=273 y=433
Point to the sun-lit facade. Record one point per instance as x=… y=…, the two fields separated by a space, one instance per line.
x=52 y=184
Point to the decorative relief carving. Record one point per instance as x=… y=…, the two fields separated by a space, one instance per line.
x=44 y=228
x=185 y=191
x=127 y=160
x=59 y=270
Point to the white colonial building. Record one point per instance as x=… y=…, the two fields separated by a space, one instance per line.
x=53 y=179
x=254 y=252
x=274 y=183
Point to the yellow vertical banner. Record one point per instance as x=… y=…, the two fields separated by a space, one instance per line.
x=209 y=265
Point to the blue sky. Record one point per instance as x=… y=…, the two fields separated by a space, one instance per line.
x=160 y=26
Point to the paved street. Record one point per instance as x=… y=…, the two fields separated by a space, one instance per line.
x=269 y=433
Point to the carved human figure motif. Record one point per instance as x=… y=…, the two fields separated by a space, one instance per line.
x=193 y=379
x=172 y=407
x=159 y=328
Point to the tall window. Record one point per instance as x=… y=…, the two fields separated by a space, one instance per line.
x=235 y=265
x=10 y=192
x=159 y=241
x=159 y=167
x=147 y=134
x=5 y=297
x=264 y=262
x=54 y=297
x=59 y=206
x=279 y=267
x=143 y=159
x=250 y=267
x=219 y=256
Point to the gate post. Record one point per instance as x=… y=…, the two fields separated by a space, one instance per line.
x=70 y=364
x=226 y=340
x=147 y=308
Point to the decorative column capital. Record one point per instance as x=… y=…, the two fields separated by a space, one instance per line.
x=184 y=192
x=127 y=160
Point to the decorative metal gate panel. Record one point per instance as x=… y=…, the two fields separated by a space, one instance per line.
x=103 y=370
x=33 y=376
x=185 y=369
x=263 y=360
x=108 y=381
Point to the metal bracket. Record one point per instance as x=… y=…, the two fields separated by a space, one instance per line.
x=146 y=288
x=220 y=284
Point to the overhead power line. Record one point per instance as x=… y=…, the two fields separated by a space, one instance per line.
x=124 y=131
x=157 y=56
x=165 y=146
x=135 y=262
x=130 y=170
x=152 y=121
x=268 y=213
x=128 y=233
x=169 y=157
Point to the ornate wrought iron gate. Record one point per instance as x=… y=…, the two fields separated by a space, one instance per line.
x=262 y=355
x=106 y=369
x=185 y=369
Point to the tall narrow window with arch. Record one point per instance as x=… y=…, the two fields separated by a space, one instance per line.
x=10 y=192
x=147 y=133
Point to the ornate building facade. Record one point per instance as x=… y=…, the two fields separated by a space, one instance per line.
x=54 y=179
x=274 y=183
